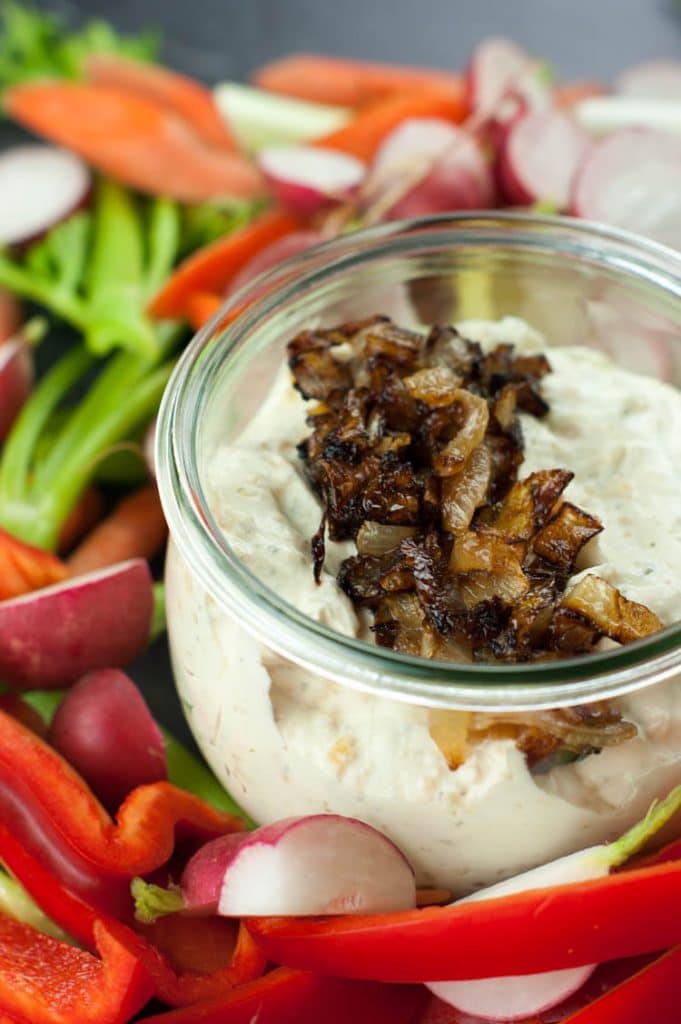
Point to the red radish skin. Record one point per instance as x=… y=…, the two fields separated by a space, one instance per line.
x=654 y=80
x=272 y=255
x=540 y=157
x=105 y=730
x=17 y=374
x=319 y=864
x=53 y=636
x=305 y=179
x=428 y=165
x=40 y=186
x=632 y=179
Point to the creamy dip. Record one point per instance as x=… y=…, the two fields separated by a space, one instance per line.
x=285 y=741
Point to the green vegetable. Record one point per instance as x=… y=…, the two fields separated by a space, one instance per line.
x=205 y=222
x=158 y=618
x=34 y=44
x=40 y=484
x=98 y=270
x=259 y=118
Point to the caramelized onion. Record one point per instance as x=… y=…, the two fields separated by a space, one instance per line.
x=376 y=538
x=602 y=606
x=452 y=458
x=464 y=493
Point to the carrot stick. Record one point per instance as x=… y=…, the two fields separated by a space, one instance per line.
x=187 y=98
x=131 y=139
x=362 y=136
x=210 y=269
x=201 y=307
x=135 y=529
x=24 y=568
x=350 y=83
x=82 y=518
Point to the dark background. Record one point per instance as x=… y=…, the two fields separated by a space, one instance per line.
x=218 y=39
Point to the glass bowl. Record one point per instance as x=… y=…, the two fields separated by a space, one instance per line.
x=296 y=717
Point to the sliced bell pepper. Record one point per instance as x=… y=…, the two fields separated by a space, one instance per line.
x=148 y=822
x=174 y=980
x=653 y=994
x=620 y=915
x=284 y=996
x=45 y=981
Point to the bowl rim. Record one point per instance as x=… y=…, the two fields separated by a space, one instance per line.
x=278 y=624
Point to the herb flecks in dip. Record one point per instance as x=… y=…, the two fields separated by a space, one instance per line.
x=414 y=454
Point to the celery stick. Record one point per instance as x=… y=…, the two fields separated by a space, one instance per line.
x=259 y=118
x=163 y=235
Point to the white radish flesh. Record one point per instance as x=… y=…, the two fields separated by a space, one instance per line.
x=540 y=157
x=16 y=380
x=272 y=255
x=259 y=118
x=305 y=178
x=655 y=79
x=39 y=186
x=632 y=179
x=425 y=166
x=499 y=69
x=53 y=636
x=322 y=864
x=105 y=730
x=602 y=114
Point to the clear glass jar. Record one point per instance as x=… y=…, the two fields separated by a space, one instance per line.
x=295 y=717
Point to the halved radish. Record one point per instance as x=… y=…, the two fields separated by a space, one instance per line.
x=305 y=178
x=39 y=185
x=272 y=255
x=540 y=157
x=517 y=997
x=498 y=69
x=427 y=165
x=655 y=79
x=104 y=728
x=632 y=179
x=320 y=864
x=16 y=380
x=53 y=636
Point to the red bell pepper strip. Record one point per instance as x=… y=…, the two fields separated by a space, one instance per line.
x=285 y=997
x=609 y=918
x=211 y=268
x=651 y=996
x=142 y=838
x=45 y=981
x=170 y=982
x=191 y=100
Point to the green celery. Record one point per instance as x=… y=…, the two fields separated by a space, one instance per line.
x=15 y=902
x=163 y=243
x=116 y=292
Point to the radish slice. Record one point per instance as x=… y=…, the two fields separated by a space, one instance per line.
x=105 y=730
x=540 y=157
x=656 y=79
x=602 y=114
x=428 y=165
x=498 y=69
x=272 y=255
x=632 y=179
x=320 y=864
x=305 y=179
x=53 y=636
x=39 y=185
x=512 y=998
x=16 y=380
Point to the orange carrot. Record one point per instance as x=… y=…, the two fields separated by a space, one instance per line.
x=82 y=518
x=210 y=269
x=362 y=136
x=132 y=139
x=135 y=529
x=24 y=568
x=201 y=307
x=189 y=99
x=10 y=315
x=312 y=76
x=572 y=93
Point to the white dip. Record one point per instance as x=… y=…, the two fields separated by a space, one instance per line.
x=285 y=741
